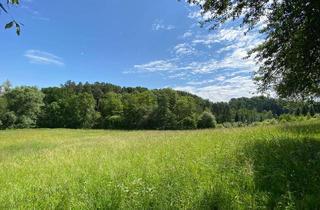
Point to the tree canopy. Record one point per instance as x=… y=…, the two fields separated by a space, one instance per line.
x=107 y=106
x=289 y=57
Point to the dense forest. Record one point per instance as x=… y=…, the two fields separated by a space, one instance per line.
x=107 y=106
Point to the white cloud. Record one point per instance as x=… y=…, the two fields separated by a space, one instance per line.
x=195 y=15
x=201 y=82
x=231 y=88
x=184 y=49
x=231 y=62
x=200 y=15
x=159 y=25
x=41 y=57
x=211 y=65
x=187 y=34
x=228 y=36
x=156 y=66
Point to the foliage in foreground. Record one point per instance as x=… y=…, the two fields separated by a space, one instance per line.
x=13 y=23
x=289 y=56
x=270 y=167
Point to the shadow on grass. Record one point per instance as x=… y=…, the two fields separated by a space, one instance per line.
x=288 y=171
x=285 y=175
x=303 y=129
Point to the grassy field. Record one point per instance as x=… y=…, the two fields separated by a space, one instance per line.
x=273 y=167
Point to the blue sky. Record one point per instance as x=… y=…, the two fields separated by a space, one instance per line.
x=153 y=44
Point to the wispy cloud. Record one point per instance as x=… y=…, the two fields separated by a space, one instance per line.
x=210 y=65
x=156 y=66
x=35 y=14
x=230 y=88
x=184 y=49
x=199 y=15
x=187 y=34
x=159 y=25
x=41 y=57
x=234 y=61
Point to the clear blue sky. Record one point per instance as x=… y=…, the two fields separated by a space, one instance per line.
x=154 y=44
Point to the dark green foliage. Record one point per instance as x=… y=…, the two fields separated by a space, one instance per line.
x=312 y=111
x=80 y=111
x=251 y=115
x=187 y=123
x=259 y=103
x=25 y=103
x=8 y=120
x=222 y=111
x=163 y=118
x=185 y=107
x=3 y=106
x=51 y=116
x=207 y=120
x=111 y=109
x=305 y=110
x=106 y=106
x=289 y=56
x=114 y=122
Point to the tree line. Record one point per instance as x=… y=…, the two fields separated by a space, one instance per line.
x=107 y=106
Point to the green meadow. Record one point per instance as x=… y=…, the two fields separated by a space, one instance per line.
x=264 y=167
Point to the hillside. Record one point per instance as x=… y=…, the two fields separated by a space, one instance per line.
x=107 y=106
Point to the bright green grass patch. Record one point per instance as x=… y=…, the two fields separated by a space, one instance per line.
x=273 y=167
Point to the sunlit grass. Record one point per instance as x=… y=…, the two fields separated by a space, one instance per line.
x=244 y=168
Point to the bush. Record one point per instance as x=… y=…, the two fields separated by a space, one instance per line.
x=270 y=122
x=256 y=124
x=219 y=126
x=207 y=120
x=114 y=121
x=227 y=125
x=238 y=124
x=286 y=118
x=187 y=123
x=8 y=120
x=25 y=122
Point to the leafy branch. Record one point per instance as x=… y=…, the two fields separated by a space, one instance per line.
x=13 y=23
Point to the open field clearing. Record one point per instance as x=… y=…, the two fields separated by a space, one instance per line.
x=242 y=168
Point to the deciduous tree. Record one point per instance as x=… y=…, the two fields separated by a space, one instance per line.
x=289 y=57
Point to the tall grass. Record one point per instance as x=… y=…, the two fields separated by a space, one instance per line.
x=270 y=167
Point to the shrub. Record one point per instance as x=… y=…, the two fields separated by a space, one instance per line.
x=309 y=116
x=270 y=122
x=238 y=124
x=25 y=122
x=286 y=118
x=114 y=121
x=256 y=124
x=227 y=125
x=207 y=120
x=8 y=120
x=219 y=126
x=187 y=123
